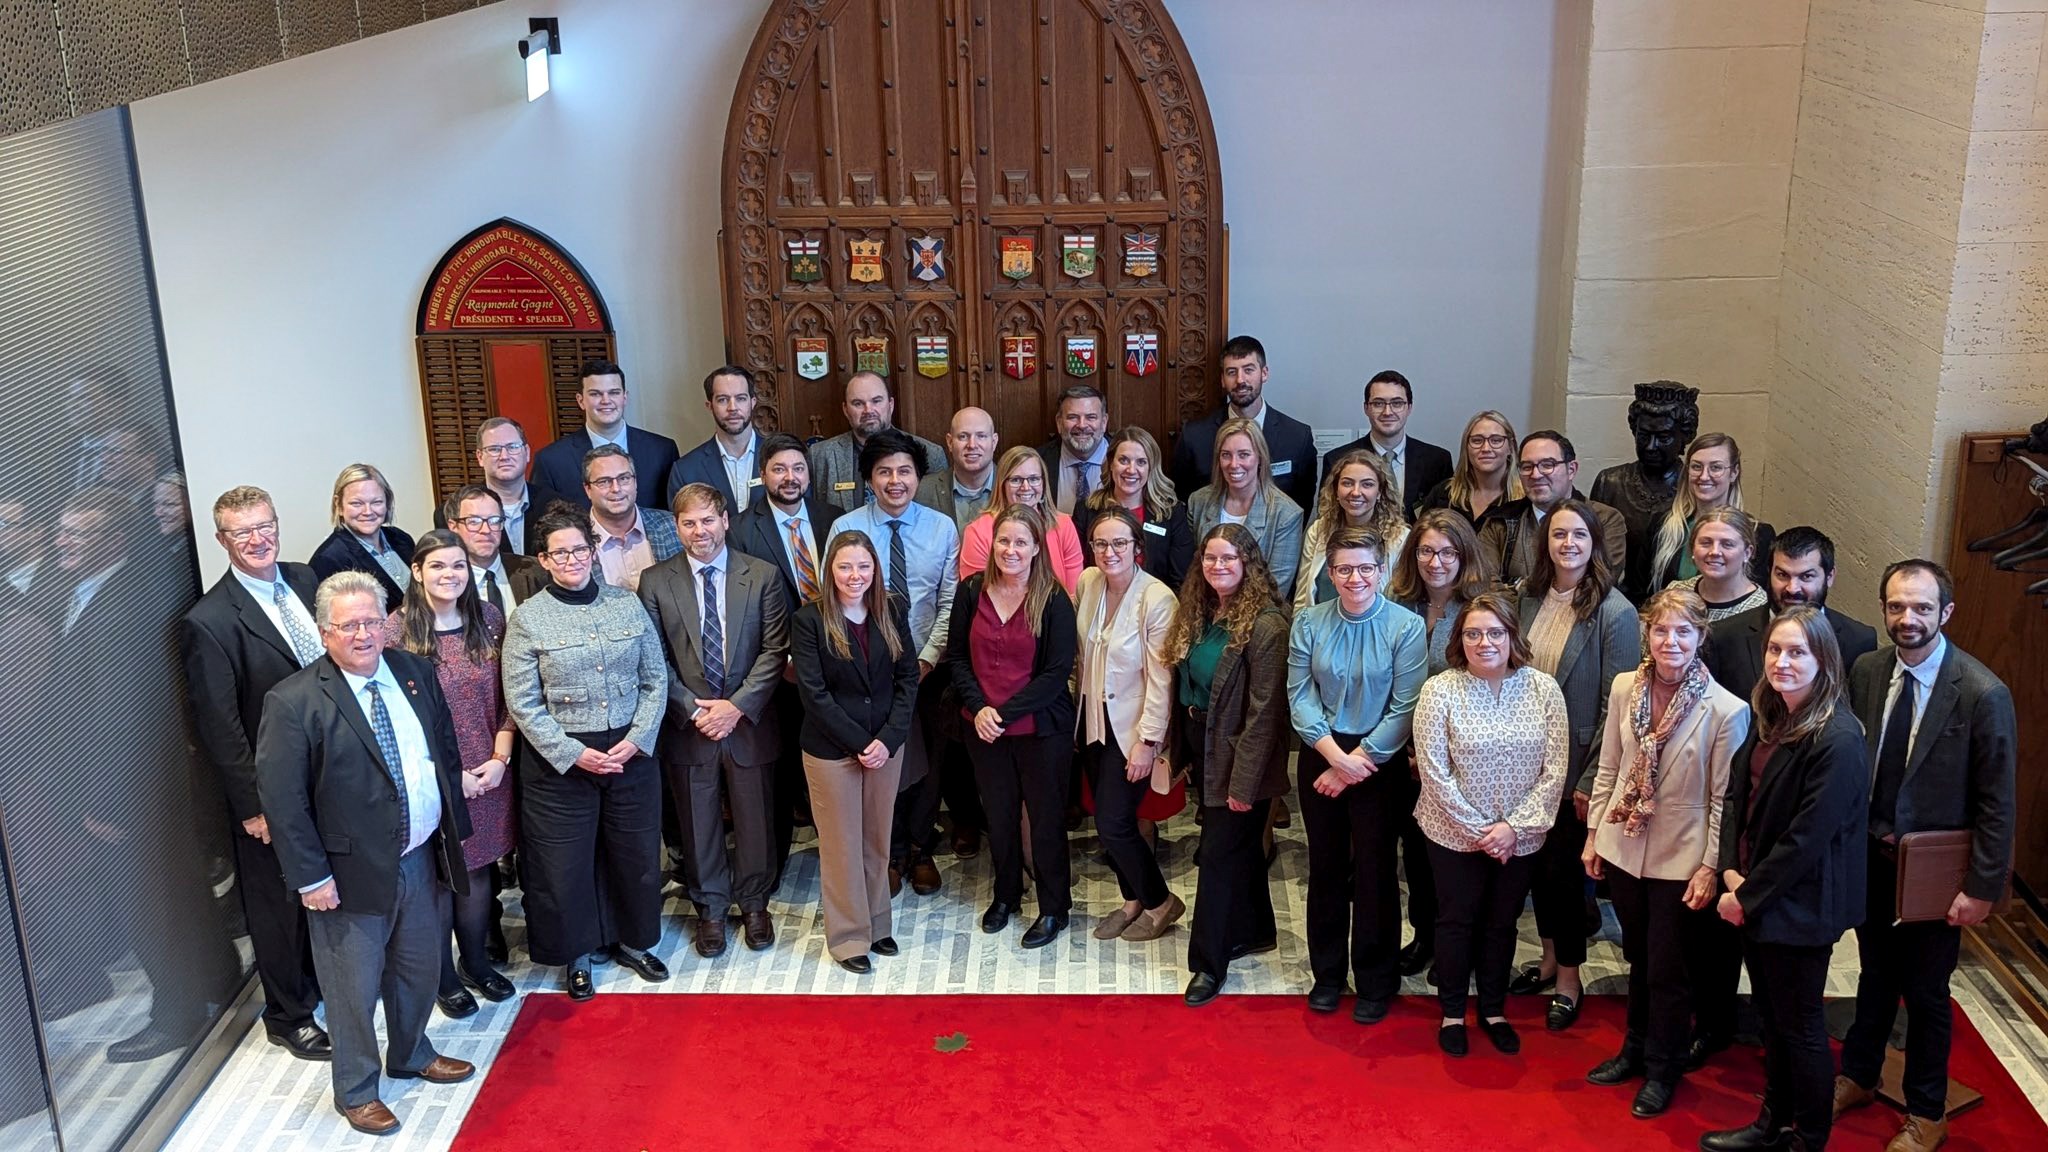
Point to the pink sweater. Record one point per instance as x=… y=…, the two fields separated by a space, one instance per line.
x=1063 y=548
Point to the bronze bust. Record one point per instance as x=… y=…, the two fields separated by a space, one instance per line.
x=1664 y=418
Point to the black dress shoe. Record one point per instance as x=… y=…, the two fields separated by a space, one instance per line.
x=1323 y=998
x=1762 y=1132
x=886 y=946
x=1703 y=1049
x=1503 y=1035
x=1530 y=981
x=1043 y=931
x=1202 y=989
x=147 y=1044
x=494 y=943
x=997 y=917
x=858 y=965
x=1619 y=1070
x=1414 y=958
x=457 y=1005
x=579 y=984
x=493 y=986
x=647 y=964
x=1651 y=1099
x=1564 y=1010
x=1369 y=1010
x=307 y=1042
x=1257 y=949
x=1451 y=1038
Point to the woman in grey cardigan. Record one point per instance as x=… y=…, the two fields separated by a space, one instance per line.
x=1583 y=632
x=585 y=681
x=1243 y=492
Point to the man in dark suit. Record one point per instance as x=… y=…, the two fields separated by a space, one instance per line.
x=1418 y=466
x=1802 y=572
x=359 y=773
x=730 y=460
x=503 y=578
x=558 y=468
x=724 y=624
x=1289 y=442
x=249 y=632
x=1942 y=738
x=1076 y=455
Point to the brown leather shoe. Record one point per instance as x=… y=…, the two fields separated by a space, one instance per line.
x=924 y=876
x=1849 y=1095
x=710 y=936
x=373 y=1119
x=1153 y=923
x=1919 y=1135
x=966 y=843
x=758 y=929
x=439 y=1070
x=895 y=878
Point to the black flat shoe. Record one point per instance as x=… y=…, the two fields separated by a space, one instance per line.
x=494 y=943
x=997 y=917
x=1530 y=981
x=886 y=946
x=1451 y=1038
x=1703 y=1049
x=1414 y=958
x=1563 y=1011
x=1368 y=1011
x=579 y=985
x=307 y=1042
x=1257 y=949
x=457 y=1005
x=493 y=986
x=1323 y=998
x=1651 y=1099
x=1503 y=1036
x=647 y=964
x=1619 y=1070
x=858 y=965
x=1762 y=1132
x=1202 y=989
x=1043 y=931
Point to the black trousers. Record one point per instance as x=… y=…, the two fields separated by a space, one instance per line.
x=1354 y=892
x=1787 y=982
x=1415 y=857
x=1478 y=901
x=1559 y=887
x=915 y=830
x=1713 y=952
x=591 y=847
x=1652 y=915
x=792 y=787
x=1116 y=821
x=1233 y=905
x=1909 y=962
x=277 y=933
x=1020 y=774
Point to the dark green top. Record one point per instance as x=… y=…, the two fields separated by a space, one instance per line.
x=1198 y=671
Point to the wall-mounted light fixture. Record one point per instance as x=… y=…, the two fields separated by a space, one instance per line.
x=544 y=41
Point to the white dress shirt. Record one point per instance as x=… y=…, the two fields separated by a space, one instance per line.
x=802 y=516
x=721 y=566
x=265 y=595
x=1395 y=454
x=497 y=570
x=416 y=758
x=739 y=470
x=1921 y=676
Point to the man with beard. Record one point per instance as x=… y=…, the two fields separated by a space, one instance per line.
x=965 y=486
x=836 y=474
x=1290 y=442
x=1802 y=572
x=1940 y=729
x=730 y=460
x=630 y=538
x=1075 y=455
x=1549 y=468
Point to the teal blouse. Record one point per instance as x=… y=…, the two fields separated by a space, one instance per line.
x=1198 y=671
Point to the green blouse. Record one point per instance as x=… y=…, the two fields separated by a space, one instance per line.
x=1198 y=671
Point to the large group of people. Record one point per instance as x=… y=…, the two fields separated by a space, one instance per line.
x=620 y=663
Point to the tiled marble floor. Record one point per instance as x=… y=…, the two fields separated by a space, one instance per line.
x=264 y=1100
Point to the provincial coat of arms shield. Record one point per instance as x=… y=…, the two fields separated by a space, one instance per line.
x=813 y=357
x=1077 y=256
x=864 y=261
x=1019 y=256
x=928 y=257
x=871 y=354
x=1141 y=353
x=1080 y=355
x=1020 y=357
x=1141 y=254
x=805 y=263
x=933 y=356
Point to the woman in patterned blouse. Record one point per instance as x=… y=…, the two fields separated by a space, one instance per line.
x=443 y=619
x=1492 y=741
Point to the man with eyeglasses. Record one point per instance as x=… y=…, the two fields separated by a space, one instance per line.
x=1292 y=446
x=1549 y=467
x=249 y=632
x=602 y=397
x=501 y=578
x=1417 y=465
x=730 y=460
x=630 y=538
x=501 y=451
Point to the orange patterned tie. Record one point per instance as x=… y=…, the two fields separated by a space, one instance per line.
x=806 y=572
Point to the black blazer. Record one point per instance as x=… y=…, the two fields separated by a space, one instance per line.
x=849 y=701
x=1290 y=441
x=1504 y=509
x=1046 y=694
x=1735 y=647
x=1169 y=548
x=233 y=657
x=1423 y=467
x=1804 y=884
x=342 y=552
x=758 y=533
x=1959 y=773
x=703 y=465
x=558 y=468
x=332 y=805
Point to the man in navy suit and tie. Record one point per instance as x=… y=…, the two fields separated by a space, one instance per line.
x=558 y=468
x=1418 y=465
x=730 y=460
x=1290 y=442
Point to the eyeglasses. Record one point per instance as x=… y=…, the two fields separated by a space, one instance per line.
x=1437 y=555
x=574 y=555
x=502 y=450
x=1539 y=467
x=1026 y=481
x=1218 y=561
x=1715 y=469
x=1114 y=547
x=478 y=523
x=612 y=483
x=1385 y=405
x=1347 y=571
x=355 y=627
x=1494 y=441
x=267 y=530
x=1475 y=635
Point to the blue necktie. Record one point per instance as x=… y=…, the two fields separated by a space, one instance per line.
x=899 y=564
x=714 y=637
x=387 y=743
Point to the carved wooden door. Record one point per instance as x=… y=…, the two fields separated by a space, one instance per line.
x=987 y=200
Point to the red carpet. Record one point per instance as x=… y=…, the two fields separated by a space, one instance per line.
x=630 y=1072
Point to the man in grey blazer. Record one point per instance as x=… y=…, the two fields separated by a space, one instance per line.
x=724 y=625
x=1940 y=729
x=835 y=464
x=964 y=488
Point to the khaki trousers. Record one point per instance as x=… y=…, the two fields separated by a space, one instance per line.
x=853 y=809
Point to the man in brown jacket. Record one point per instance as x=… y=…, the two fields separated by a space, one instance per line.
x=1549 y=467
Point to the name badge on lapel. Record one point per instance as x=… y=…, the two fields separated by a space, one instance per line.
x=754 y=483
x=1155 y=529
x=843 y=486
x=1283 y=467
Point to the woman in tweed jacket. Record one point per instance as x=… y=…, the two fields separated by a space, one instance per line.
x=585 y=681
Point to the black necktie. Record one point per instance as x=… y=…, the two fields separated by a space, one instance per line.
x=899 y=564
x=1891 y=755
x=491 y=595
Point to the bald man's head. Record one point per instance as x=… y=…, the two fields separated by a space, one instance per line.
x=868 y=406
x=971 y=443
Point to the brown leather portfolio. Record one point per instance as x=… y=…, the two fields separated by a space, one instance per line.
x=1931 y=868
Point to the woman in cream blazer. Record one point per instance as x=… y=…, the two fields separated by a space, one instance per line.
x=1125 y=688
x=1654 y=830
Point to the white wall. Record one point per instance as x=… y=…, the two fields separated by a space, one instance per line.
x=1383 y=171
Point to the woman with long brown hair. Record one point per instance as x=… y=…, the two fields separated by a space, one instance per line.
x=1135 y=480
x=1020 y=479
x=1243 y=492
x=1486 y=479
x=856 y=674
x=1357 y=492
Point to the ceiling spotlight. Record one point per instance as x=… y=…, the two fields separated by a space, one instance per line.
x=544 y=41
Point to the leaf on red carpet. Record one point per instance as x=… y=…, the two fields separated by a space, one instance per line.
x=957 y=1042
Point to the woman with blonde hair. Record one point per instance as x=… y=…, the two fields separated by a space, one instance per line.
x=1020 y=479
x=1243 y=493
x=364 y=539
x=1711 y=478
x=1350 y=497
x=1723 y=551
x=1135 y=480
x=1486 y=478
